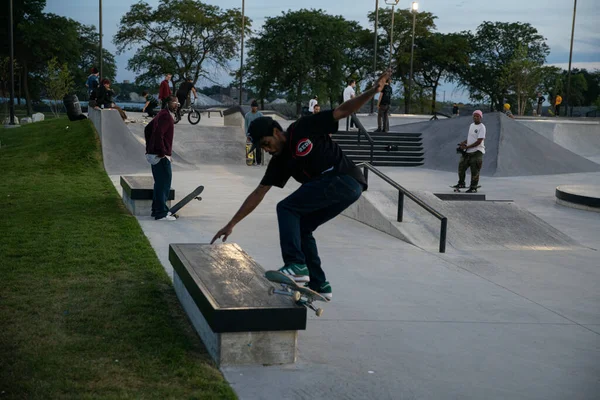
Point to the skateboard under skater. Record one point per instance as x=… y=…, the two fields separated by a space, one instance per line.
x=183 y=202
x=458 y=190
x=301 y=295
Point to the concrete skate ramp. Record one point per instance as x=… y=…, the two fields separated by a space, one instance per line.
x=512 y=149
x=210 y=144
x=121 y=151
x=580 y=137
x=472 y=225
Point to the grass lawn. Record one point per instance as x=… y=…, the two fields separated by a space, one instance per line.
x=86 y=309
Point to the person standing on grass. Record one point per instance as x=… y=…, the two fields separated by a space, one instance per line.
x=330 y=182
x=159 y=145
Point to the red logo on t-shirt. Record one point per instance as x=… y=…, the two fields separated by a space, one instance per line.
x=304 y=147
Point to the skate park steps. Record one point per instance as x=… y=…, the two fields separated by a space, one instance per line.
x=472 y=225
x=583 y=197
x=137 y=194
x=225 y=294
x=407 y=148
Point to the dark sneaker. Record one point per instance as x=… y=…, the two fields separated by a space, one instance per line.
x=324 y=290
x=298 y=272
x=471 y=190
x=459 y=186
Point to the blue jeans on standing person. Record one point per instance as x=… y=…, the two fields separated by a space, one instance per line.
x=162 y=185
x=302 y=212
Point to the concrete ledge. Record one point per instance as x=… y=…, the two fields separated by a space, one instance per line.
x=225 y=294
x=238 y=348
x=137 y=194
x=583 y=197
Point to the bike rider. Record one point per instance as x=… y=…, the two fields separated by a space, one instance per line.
x=182 y=94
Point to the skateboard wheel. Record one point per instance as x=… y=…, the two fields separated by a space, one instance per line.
x=319 y=312
x=271 y=291
x=297 y=296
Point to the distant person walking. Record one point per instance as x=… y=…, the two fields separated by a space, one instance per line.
x=557 y=102
x=248 y=118
x=473 y=150
x=311 y=104
x=383 y=108
x=159 y=145
x=151 y=104
x=540 y=100
x=349 y=93
x=164 y=91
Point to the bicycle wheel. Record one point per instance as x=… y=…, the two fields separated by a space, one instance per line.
x=176 y=119
x=194 y=117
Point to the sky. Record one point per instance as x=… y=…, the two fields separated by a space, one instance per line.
x=552 y=19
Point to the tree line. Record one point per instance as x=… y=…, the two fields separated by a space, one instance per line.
x=297 y=54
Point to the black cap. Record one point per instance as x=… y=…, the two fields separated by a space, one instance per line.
x=260 y=128
x=254 y=104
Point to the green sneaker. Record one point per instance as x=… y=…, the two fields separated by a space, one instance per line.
x=324 y=290
x=298 y=272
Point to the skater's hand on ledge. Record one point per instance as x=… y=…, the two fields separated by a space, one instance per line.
x=225 y=232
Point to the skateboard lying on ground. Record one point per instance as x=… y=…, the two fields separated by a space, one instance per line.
x=458 y=190
x=300 y=294
x=183 y=202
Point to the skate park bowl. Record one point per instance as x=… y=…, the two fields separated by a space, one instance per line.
x=583 y=197
x=511 y=147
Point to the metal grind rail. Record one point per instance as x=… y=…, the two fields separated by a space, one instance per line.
x=403 y=192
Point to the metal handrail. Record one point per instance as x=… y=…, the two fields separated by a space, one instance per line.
x=401 y=192
x=362 y=130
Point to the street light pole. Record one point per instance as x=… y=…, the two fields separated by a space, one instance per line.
x=570 y=58
x=242 y=52
x=12 y=67
x=375 y=49
x=392 y=3
x=415 y=8
x=100 y=51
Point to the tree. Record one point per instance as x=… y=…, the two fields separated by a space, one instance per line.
x=402 y=41
x=305 y=51
x=441 y=57
x=522 y=76
x=87 y=58
x=494 y=46
x=181 y=37
x=59 y=83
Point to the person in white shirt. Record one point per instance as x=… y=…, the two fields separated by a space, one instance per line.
x=472 y=150
x=311 y=104
x=348 y=94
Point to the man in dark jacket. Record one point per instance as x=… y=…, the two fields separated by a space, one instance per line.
x=159 y=145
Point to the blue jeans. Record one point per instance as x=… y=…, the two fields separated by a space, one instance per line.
x=302 y=212
x=162 y=185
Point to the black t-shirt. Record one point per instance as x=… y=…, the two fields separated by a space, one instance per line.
x=386 y=95
x=184 y=89
x=309 y=153
x=541 y=99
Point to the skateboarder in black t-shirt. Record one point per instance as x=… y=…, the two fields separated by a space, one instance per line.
x=330 y=183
